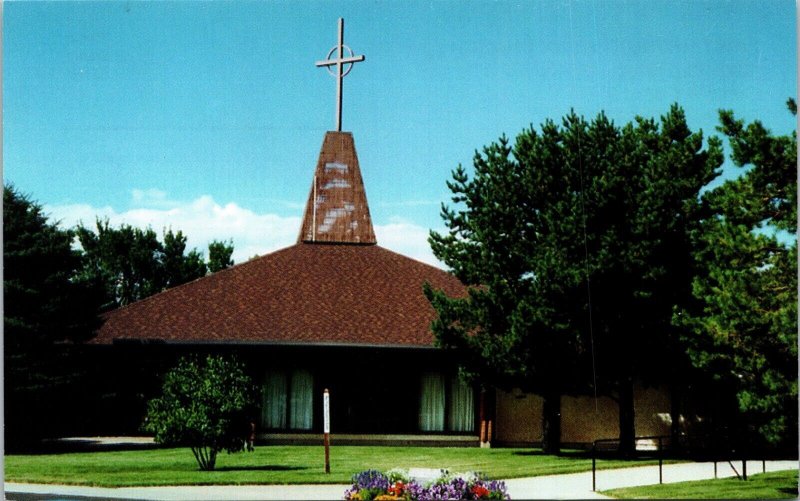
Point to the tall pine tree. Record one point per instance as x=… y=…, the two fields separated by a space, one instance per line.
x=43 y=300
x=742 y=327
x=575 y=243
x=45 y=306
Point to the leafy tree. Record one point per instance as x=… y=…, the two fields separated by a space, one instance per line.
x=575 y=243
x=742 y=328
x=124 y=259
x=177 y=266
x=133 y=264
x=219 y=256
x=204 y=406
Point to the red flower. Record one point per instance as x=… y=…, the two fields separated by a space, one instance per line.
x=397 y=489
x=480 y=491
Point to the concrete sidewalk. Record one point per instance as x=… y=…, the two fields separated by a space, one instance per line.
x=572 y=486
x=186 y=492
x=579 y=485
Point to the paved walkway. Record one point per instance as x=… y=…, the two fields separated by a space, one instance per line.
x=579 y=485
x=572 y=486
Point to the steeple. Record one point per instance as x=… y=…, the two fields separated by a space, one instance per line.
x=337 y=209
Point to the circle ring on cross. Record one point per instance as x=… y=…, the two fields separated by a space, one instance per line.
x=349 y=65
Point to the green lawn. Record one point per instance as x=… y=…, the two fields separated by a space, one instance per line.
x=282 y=465
x=773 y=485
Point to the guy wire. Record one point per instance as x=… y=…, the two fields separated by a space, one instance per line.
x=586 y=269
x=583 y=219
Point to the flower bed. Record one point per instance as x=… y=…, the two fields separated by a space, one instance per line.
x=397 y=484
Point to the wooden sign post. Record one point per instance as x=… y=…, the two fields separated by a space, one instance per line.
x=326 y=405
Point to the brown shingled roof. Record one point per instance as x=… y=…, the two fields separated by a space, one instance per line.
x=306 y=294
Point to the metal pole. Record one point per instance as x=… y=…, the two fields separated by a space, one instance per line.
x=715 y=468
x=339 y=77
x=594 y=467
x=660 y=462
x=482 y=411
x=326 y=399
x=327 y=454
x=763 y=466
x=744 y=469
x=314 y=213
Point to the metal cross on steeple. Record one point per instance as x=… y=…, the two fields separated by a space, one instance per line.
x=340 y=61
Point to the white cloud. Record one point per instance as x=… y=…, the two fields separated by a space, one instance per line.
x=203 y=220
x=409 y=203
x=407 y=238
x=152 y=198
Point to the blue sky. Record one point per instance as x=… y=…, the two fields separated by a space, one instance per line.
x=208 y=116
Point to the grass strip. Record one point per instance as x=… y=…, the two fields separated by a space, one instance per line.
x=285 y=465
x=772 y=485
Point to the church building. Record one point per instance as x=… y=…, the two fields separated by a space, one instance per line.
x=337 y=311
x=333 y=311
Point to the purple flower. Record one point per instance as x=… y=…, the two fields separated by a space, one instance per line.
x=414 y=490
x=371 y=483
x=349 y=492
x=370 y=479
x=456 y=488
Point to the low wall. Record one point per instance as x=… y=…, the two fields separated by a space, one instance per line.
x=583 y=419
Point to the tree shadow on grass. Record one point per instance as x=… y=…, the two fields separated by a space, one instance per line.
x=69 y=446
x=565 y=454
x=269 y=467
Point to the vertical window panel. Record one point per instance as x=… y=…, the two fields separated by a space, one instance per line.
x=461 y=416
x=432 y=400
x=301 y=408
x=273 y=404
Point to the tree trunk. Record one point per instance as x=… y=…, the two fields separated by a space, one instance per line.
x=206 y=457
x=627 y=427
x=551 y=423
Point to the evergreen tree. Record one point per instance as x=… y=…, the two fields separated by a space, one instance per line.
x=45 y=305
x=742 y=329
x=576 y=246
x=43 y=302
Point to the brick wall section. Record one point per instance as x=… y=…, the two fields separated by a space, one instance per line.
x=519 y=416
x=583 y=422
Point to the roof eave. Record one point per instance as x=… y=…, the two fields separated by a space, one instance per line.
x=209 y=342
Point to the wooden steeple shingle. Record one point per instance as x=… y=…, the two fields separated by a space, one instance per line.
x=337 y=209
